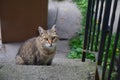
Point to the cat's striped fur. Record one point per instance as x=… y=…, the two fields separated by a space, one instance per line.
x=38 y=50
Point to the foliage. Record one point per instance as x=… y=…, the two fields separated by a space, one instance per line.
x=76 y=43
x=111 y=49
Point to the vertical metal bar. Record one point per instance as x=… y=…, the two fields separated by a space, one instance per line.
x=96 y=74
x=86 y=30
x=99 y=23
x=93 y=35
x=104 y=30
x=91 y=21
x=118 y=70
x=109 y=39
x=114 y=49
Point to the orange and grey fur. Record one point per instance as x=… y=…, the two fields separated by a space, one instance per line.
x=38 y=50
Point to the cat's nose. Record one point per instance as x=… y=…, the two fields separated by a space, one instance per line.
x=51 y=45
x=50 y=42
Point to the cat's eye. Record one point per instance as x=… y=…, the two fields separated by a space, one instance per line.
x=46 y=38
x=53 y=38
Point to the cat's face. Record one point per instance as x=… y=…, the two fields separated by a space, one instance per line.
x=48 y=37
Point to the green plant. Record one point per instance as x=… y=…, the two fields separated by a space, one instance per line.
x=76 y=43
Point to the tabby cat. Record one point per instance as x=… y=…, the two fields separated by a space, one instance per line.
x=38 y=50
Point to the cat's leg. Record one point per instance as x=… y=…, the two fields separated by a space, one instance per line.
x=19 y=60
x=49 y=62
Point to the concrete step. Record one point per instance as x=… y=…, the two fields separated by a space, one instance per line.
x=61 y=69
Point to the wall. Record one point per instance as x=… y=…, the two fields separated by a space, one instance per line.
x=20 y=18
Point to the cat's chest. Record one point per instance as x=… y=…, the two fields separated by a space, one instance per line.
x=44 y=55
x=46 y=58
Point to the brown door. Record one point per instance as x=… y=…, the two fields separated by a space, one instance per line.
x=21 y=18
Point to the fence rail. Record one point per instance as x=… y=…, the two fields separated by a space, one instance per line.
x=99 y=36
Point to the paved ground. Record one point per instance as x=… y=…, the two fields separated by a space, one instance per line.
x=62 y=69
x=8 y=54
x=68 y=23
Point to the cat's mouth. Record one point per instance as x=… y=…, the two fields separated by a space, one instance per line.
x=50 y=46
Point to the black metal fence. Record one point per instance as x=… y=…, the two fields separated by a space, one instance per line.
x=99 y=36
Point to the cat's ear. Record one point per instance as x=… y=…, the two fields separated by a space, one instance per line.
x=53 y=27
x=41 y=30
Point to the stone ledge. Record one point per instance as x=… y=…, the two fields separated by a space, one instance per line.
x=61 y=69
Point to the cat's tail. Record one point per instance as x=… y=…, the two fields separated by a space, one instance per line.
x=56 y=17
